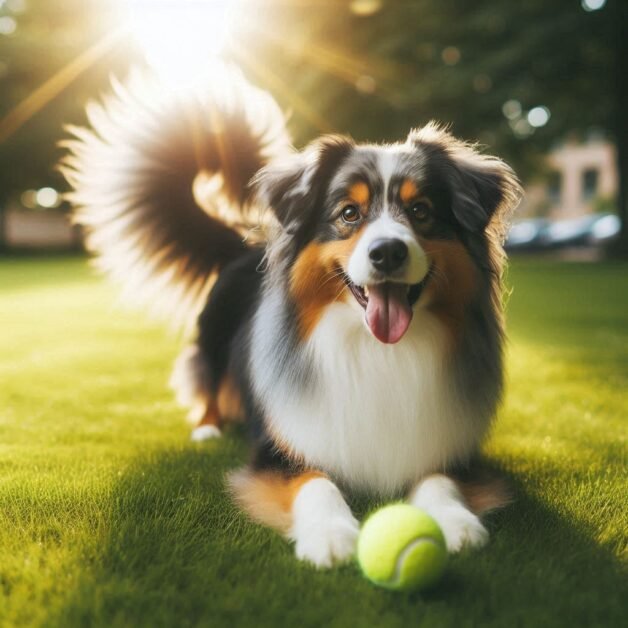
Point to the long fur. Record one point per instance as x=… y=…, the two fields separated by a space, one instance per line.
x=160 y=183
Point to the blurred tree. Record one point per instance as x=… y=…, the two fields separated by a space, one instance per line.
x=494 y=70
x=38 y=39
x=371 y=68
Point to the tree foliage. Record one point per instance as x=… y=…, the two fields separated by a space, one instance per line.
x=373 y=76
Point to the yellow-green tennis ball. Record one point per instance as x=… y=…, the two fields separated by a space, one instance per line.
x=401 y=547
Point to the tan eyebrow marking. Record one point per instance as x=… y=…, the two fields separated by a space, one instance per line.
x=408 y=191
x=359 y=193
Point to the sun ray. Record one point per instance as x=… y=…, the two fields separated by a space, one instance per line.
x=341 y=64
x=278 y=86
x=334 y=59
x=51 y=88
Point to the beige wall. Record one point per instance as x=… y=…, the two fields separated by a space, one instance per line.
x=38 y=229
x=572 y=159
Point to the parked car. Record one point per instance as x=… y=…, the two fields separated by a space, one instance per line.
x=605 y=228
x=527 y=235
x=586 y=230
x=541 y=234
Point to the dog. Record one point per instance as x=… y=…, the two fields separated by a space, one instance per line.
x=346 y=298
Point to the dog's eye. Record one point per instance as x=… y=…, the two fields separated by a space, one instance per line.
x=421 y=210
x=350 y=213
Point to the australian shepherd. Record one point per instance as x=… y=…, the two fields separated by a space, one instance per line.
x=346 y=297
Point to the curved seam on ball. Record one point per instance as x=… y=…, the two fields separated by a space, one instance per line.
x=394 y=580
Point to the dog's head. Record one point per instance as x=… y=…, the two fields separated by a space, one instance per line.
x=386 y=229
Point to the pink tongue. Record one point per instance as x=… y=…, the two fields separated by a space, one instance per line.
x=388 y=313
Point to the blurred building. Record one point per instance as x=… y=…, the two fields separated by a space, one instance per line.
x=38 y=219
x=46 y=229
x=581 y=178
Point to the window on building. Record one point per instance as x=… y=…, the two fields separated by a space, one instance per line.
x=554 y=185
x=589 y=184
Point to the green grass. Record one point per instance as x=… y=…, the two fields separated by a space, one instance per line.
x=110 y=517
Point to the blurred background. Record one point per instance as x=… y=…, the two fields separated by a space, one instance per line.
x=541 y=84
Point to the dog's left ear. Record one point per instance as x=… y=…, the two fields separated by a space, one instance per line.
x=483 y=188
x=295 y=185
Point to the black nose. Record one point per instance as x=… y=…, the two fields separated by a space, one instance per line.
x=388 y=255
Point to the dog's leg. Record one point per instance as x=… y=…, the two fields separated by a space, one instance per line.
x=190 y=381
x=209 y=425
x=306 y=507
x=440 y=497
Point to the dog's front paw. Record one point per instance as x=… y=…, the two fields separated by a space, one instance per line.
x=460 y=527
x=328 y=543
x=324 y=530
x=205 y=432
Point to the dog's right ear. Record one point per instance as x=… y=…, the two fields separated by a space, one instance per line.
x=294 y=186
x=283 y=186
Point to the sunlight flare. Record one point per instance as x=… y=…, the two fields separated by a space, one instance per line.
x=180 y=38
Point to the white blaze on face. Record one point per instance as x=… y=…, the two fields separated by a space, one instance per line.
x=362 y=272
x=387 y=161
x=388 y=309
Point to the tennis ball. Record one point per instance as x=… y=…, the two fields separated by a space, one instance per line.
x=401 y=547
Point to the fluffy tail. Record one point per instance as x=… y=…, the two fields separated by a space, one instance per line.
x=160 y=183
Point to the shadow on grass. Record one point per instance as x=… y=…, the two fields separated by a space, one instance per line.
x=174 y=552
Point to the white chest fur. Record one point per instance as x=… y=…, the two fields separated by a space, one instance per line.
x=378 y=417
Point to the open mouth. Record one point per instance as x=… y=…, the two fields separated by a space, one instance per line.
x=388 y=306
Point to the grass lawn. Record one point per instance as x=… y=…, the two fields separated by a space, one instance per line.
x=110 y=517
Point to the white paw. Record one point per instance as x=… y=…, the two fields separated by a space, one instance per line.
x=205 y=432
x=460 y=527
x=328 y=543
x=323 y=528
